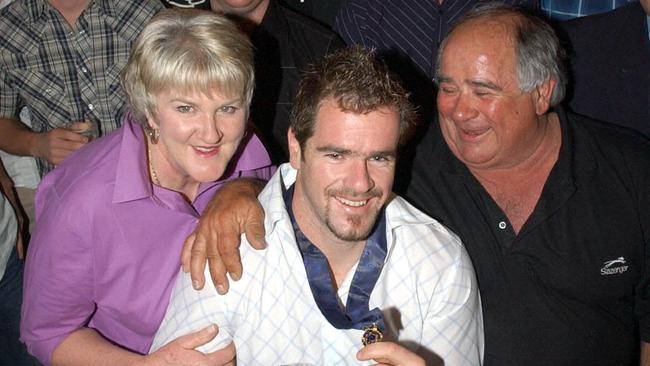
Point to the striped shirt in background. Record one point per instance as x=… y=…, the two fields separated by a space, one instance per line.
x=66 y=74
x=413 y=28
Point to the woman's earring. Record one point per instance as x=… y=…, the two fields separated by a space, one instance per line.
x=154 y=135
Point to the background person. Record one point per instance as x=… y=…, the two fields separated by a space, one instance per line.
x=609 y=56
x=113 y=217
x=12 y=351
x=62 y=60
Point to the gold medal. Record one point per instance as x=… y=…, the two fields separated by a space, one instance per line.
x=371 y=334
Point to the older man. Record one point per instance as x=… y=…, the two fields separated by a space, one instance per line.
x=553 y=208
x=346 y=258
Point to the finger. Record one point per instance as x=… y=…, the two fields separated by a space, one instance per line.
x=224 y=356
x=79 y=127
x=198 y=338
x=63 y=149
x=74 y=138
x=218 y=273
x=197 y=262
x=380 y=351
x=389 y=353
x=228 y=250
x=254 y=229
x=186 y=253
x=56 y=156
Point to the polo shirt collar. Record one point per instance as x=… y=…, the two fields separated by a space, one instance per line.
x=563 y=167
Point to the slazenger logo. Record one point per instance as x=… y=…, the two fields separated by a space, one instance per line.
x=615 y=266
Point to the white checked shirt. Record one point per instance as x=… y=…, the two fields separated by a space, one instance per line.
x=427 y=292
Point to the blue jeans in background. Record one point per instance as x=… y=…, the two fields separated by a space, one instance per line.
x=12 y=351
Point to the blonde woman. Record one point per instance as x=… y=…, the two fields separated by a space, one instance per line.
x=112 y=218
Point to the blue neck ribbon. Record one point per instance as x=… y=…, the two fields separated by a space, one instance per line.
x=356 y=314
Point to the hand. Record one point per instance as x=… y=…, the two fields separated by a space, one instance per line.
x=181 y=351
x=234 y=209
x=57 y=144
x=389 y=353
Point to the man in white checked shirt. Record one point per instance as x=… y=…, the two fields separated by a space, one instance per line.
x=337 y=235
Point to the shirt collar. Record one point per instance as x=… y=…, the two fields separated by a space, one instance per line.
x=37 y=8
x=132 y=177
x=563 y=167
x=398 y=212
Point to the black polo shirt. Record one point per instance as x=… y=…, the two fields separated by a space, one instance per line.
x=564 y=290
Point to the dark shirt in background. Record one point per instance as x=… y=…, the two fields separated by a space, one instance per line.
x=408 y=34
x=322 y=10
x=285 y=43
x=609 y=58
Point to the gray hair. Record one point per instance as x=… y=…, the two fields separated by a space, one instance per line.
x=539 y=54
x=187 y=51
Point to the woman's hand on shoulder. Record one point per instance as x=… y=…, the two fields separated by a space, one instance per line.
x=181 y=351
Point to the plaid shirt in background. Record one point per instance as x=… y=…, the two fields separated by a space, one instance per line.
x=64 y=74
x=559 y=10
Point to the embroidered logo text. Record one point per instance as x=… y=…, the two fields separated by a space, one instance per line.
x=615 y=266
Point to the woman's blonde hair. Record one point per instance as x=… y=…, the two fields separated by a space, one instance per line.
x=187 y=51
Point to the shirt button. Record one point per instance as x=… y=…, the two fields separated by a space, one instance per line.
x=91 y=107
x=502 y=225
x=84 y=69
x=81 y=31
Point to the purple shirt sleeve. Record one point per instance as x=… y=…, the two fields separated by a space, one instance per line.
x=63 y=283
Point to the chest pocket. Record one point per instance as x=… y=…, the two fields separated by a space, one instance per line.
x=45 y=94
x=115 y=94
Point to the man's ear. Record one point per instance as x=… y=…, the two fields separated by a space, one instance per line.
x=542 y=96
x=294 y=150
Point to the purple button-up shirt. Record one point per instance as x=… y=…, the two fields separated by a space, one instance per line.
x=107 y=242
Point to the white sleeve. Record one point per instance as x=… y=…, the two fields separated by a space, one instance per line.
x=453 y=327
x=190 y=310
